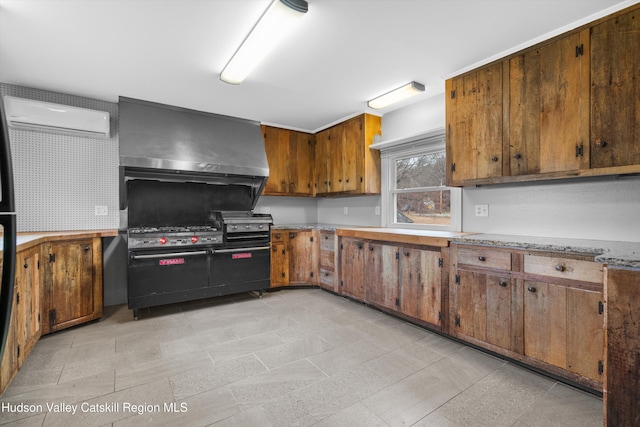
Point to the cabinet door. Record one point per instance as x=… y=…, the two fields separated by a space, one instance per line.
x=279 y=258
x=381 y=275
x=73 y=298
x=475 y=125
x=615 y=91
x=337 y=156
x=352 y=267
x=302 y=253
x=545 y=322
x=28 y=299
x=323 y=162
x=482 y=307
x=420 y=284
x=353 y=158
x=585 y=333
x=276 y=144
x=300 y=163
x=9 y=364
x=549 y=107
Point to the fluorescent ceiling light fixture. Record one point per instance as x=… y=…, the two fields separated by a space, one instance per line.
x=396 y=95
x=274 y=24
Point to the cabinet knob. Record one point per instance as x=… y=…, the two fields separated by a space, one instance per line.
x=406 y=254
x=370 y=247
x=359 y=245
x=26 y=265
x=560 y=267
x=277 y=235
x=494 y=159
x=600 y=143
x=347 y=181
x=326 y=237
x=503 y=283
x=481 y=258
x=531 y=289
x=87 y=248
x=517 y=156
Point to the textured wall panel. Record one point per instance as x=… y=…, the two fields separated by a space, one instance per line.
x=59 y=179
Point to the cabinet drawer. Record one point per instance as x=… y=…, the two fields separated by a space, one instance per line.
x=327 y=241
x=327 y=259
x=327 y=277
x=484 y=257
x=584 y=271
x=278 y=235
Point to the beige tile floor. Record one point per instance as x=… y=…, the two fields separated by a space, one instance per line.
x=293 y=358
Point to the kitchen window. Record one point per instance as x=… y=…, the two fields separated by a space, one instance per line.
x=414 y=193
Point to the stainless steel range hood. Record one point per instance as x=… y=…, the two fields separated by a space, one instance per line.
x=162 y=137
x=165 y=143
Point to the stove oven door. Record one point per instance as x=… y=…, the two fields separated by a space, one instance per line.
x=157 y=277
x=243 y=269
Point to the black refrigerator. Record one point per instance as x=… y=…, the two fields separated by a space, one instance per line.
x=8 y=230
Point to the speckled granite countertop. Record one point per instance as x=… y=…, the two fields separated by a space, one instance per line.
x=315 y=226
x=622 y=254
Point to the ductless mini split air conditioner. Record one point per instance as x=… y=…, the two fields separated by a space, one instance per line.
x=48 y=117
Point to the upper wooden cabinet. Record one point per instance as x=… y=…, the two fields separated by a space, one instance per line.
x=566 y=107
x=475 y=125
x=615 y=91
x=290 y=155
x=548 y=107
x=335 y=161
x=344 y=163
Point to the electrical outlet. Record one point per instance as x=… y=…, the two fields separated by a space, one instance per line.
x=377 y=210
x=346 y=210
x=101 y=210
x=482 y=210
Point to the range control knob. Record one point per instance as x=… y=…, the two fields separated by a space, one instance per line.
x=194 y=239
x=163 y=240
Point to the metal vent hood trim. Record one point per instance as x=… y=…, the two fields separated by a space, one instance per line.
x=166 y=138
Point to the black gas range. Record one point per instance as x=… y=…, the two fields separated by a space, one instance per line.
x=179 y=249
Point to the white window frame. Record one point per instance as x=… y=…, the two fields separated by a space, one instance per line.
x=418 y=145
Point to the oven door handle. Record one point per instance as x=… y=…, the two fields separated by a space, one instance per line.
x=169 y=255
x=228 y=251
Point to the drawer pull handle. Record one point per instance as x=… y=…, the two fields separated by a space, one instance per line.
x=560 y=267
x=481 y=258
x=531 y=289
x=503 y=283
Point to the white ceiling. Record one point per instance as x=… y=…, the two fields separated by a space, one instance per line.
x=343 y=53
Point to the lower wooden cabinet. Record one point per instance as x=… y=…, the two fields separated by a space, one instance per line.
x=402 y=278
x=544 y=309
x=352 y=258
x=420 y=281
x=72 y=283
x=279 y=259
x=622 y=357
x=294 y=257
x=482 y=307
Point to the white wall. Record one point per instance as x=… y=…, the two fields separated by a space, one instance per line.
x=361 y=210
x=289 y=210
x=603 y=208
